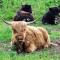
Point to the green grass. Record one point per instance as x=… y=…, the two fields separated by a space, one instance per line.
x=39 y=55
x=39 y=7
x=45 y=54
x=5 y=32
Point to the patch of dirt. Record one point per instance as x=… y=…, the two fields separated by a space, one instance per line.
x=5 y=46
x=55 y=49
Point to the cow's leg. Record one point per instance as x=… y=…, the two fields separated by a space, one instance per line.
x=46 y=46
x=31 y=48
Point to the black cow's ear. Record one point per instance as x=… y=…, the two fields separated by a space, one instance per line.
x=50 y=9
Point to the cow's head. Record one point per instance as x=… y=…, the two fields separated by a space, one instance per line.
x=18 y=27
x=54 y=10
x=19 y=44
x=19 y=30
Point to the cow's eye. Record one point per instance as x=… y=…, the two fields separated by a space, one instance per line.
x=23 y=30
x=14 y=31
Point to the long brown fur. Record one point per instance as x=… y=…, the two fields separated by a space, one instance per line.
x=32 y=38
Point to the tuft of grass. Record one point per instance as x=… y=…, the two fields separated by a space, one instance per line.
x=41 y=55
x=5 y=32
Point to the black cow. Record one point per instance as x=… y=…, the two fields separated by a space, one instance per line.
x=50 y=16
x=25 y=13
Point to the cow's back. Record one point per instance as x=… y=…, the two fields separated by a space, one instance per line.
x=35 y=36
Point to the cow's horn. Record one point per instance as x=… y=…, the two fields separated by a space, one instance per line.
x=31 y=22
x=7 y=22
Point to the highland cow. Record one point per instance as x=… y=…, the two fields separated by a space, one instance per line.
x=24 y=14
x=50 y=16
x=29 y=38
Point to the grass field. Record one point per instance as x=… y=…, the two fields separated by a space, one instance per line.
x=39 y=7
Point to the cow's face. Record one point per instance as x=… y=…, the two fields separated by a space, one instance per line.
x=19 y=28
x=19 y=44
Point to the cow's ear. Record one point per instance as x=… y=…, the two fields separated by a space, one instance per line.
x=8 y=22
x=50 y=9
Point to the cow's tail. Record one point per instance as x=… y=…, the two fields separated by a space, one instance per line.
x=53 y=44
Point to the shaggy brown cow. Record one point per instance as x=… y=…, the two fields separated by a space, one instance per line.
x=28 y=38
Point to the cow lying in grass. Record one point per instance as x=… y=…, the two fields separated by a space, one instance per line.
x=51 y=17
x=29 y=38
x=24 y=14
